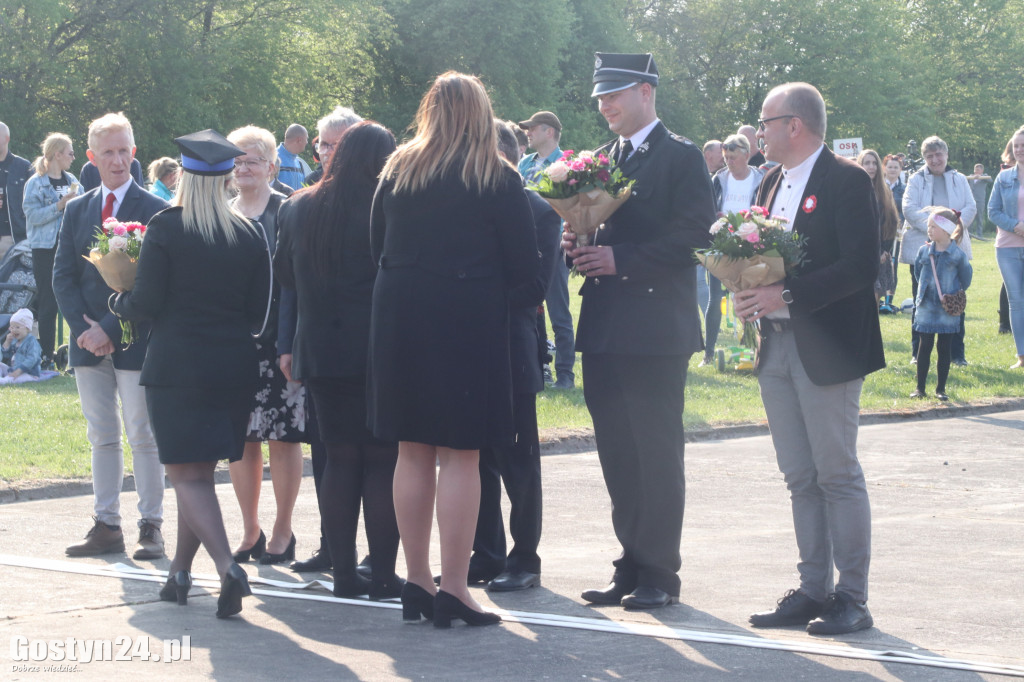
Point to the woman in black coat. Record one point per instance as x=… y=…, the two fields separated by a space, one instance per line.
x=451 y=229
x=203 y=279
x=323 y=253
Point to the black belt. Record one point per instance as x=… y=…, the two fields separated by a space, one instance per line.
x=770 y=326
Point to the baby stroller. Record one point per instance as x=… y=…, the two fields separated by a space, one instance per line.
x=17 y=283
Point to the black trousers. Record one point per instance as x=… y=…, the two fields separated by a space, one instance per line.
x=45 y=302
x=636 y=403
x=518 y=465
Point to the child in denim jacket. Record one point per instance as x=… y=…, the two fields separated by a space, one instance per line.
x=954 y=273
x=21 y=350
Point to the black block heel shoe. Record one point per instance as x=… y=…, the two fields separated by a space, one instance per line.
x=416 y=601
x=233 y=588
x=447 y=606
x=254 y=552
x=287 y=555
x=176 y=588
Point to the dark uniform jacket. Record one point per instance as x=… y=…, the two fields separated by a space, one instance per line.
x=650 y=306
x=78 y=285
x=205 y=301
x=834 y=309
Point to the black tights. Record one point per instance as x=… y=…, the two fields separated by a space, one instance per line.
x=354 y=472
x=924 y=358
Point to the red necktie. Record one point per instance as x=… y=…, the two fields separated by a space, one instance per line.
x=108 y=206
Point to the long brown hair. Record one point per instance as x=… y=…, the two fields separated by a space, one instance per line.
x=888 y=217
x=454 y=126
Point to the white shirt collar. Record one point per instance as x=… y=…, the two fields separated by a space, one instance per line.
x=639 y=136
x=802 y=171
x=118 y=192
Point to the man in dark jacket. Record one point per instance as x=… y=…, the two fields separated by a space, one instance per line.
x=820 y=338
x=638 y=327
x=518 y=463
x=14 y=171
x=107 y=371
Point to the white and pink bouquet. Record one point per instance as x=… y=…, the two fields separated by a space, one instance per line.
x=115 y=253
x=584 y=189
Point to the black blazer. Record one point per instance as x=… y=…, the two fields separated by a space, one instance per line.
x=77 y=284
x=332 y=331
x=523 y=300
x=650 y=306
x=834 y=310
x=205 y=300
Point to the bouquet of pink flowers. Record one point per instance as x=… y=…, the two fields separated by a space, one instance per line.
x=584 y=189
x=750 y=249
x=115 y=253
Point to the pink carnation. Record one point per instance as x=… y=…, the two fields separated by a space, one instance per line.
x=120 y=230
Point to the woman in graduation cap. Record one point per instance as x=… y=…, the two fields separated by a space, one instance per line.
x=203 y=279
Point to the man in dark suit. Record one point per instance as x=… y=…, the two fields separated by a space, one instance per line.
x=820 y=337
x=518 y=463
x=105 y=369
x=638 y=327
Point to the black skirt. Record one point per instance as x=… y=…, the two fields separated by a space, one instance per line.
x=198 y=424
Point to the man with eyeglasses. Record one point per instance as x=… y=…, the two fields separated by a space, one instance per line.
x=819 y=338
x=329 y=131
x=638 y=327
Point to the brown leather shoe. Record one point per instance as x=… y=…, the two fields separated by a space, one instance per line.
x=151 y=542
x=101 y=539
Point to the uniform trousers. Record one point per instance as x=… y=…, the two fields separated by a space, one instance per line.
x=814 y=431
x=100 y=389
x=518 y=465
x=636 y=403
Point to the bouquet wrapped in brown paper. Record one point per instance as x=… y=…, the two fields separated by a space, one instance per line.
x=584 y=190
x=116 y=255
x=750 y=249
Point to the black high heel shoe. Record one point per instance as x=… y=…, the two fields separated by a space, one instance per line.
x=287 y=555
x=176 y=588
x=447 y=606
x=416 y=601
x=233 y=588
x=254 y=552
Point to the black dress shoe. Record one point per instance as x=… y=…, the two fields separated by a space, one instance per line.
x=254 y=552
x=320 y=561
x=513 y=581
x=476 y=576
x=795 y=608
x=233 y=587
x=646 y=597
x=287 y=555
x=386 y=589
x=416 y=601
x=840 y=616
x=351 y=585
x=448 y=606
x=612 y=594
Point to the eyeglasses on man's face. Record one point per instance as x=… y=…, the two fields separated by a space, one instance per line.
x=762 y=121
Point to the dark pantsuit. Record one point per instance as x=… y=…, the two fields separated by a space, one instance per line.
x=637 y=406
x=519 y=466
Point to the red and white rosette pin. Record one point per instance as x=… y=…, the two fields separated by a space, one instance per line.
x=810 y=203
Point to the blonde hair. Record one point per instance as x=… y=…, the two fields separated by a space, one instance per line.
x=109 y=123
x=260 y=138
x=738 y=139
x=454 y=127
x=53 y=143
x=950 y=215
x=161 y=167
x=206 y=208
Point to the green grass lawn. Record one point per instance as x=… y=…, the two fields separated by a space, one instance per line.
x=43 y=432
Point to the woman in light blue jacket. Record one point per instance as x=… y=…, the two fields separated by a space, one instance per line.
x=46 y=194
x=1004 y=209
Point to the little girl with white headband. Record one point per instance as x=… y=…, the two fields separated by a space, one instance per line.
x=941 y=269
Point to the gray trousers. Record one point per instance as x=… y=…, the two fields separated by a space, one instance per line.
x=814 y=430
x=102 y=390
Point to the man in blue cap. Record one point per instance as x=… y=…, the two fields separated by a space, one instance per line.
x=638 y=327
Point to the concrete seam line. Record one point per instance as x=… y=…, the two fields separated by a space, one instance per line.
x=287 y=590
